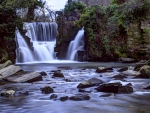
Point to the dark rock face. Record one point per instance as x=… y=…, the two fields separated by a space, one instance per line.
x=123 y=69
x=80 y=97
x=106 y=95
x=110 y=87
x=103 y=69
x=11 y=45
x=90 y=82
x=58 y=74
x=64 y=98
x=47 y=90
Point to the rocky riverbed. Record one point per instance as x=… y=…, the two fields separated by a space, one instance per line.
x=101 y=89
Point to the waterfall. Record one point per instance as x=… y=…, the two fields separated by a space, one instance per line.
x=42 y=40
x=75 y=45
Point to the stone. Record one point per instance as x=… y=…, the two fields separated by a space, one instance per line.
x=123 y=69
x=110 y=87
x=9 y=70
x=144 y=72
x=103 y=69
x=58 y=74
x=80 y=97
x=53 y=96
x=119 y=76
x=125 y=90
x=21 y=93
x=82 y=90
x=8 y=93
x=47 y=90
x=22 y=76
x=43 y=73
x=64 y=98
x=7 y=63
x=90 y=82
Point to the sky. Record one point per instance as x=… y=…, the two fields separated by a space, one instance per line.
x=56 y=4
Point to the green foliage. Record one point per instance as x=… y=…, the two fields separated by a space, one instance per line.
x=106 y=26
x=74 y=6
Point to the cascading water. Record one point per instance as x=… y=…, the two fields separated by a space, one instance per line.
x=75 y=45
x=42 y=41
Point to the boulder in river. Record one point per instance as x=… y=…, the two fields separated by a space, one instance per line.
x=103 y=69
x=64 y=98
x=8 y=93
x=119 y=76
x=9 y=70
x=22 y=76
x=47 y=90
x=90 y=82
x=53 y=96
x=123 y=69
x=80 y=97
x=58 y=74
x=110 y=87
x=144 y=72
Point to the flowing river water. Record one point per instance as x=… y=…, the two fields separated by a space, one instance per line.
x=36 y=102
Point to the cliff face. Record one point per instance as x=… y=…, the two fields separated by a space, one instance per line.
x=96 y=2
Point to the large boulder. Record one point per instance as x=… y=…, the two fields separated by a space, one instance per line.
x=90 y=82
x=58 y=74
x=144 y=72
x=110 y=87
x=22 y=76
x=9 y=70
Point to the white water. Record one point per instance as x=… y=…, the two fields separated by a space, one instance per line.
x=75 y=45
x=42 y=41
x=23 y=49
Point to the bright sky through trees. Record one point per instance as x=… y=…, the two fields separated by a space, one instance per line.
x=56 y=4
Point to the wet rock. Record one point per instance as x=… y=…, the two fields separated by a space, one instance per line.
x=22 y=76
x=130 y=73
x=58 y=74
x=64 y=98
x=80 y=97
x=145 y=71
x=9 y=70
x=47 y=90
x=148 y=87
x=106 y=95
x=129 y=84
x=103 y=69
x=123 y=69
x=110 y=87
x=101 y=76
x=21 y=93
x=53 y=96
x=7 y=63
x=125 y=90
x=8 y=93
x=119 y=76
x=128 y=60
x=90 y=82
x=43 y=73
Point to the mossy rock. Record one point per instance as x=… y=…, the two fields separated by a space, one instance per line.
x=7 y=63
